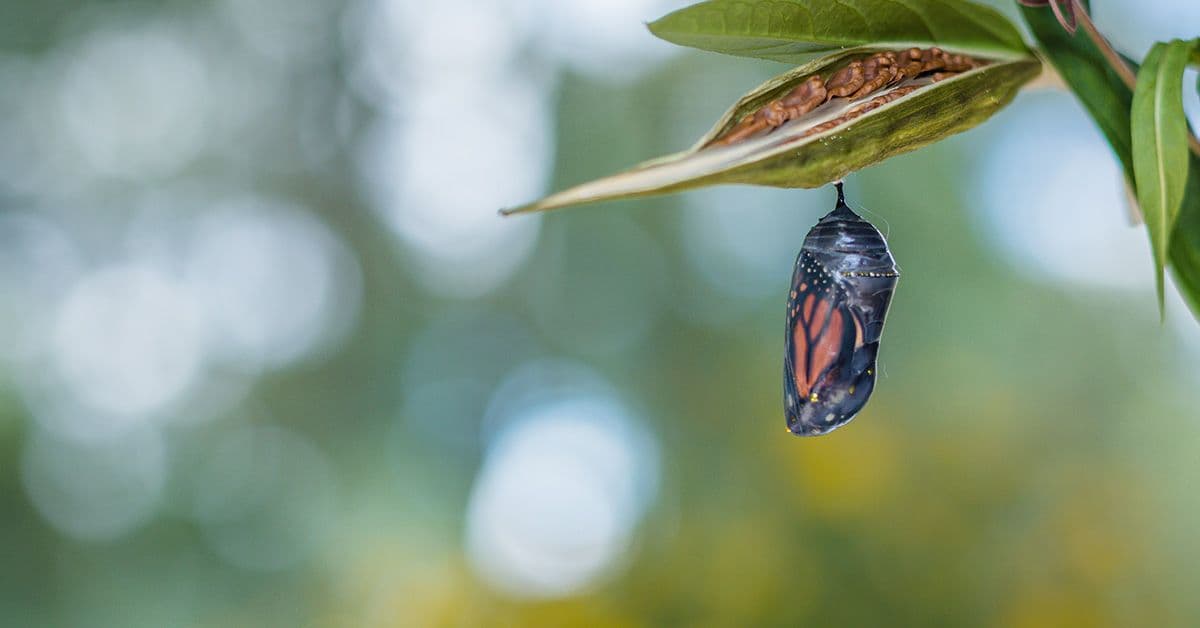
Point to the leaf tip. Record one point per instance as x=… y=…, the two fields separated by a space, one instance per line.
x=655 y=28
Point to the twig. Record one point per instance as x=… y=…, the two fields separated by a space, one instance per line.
x=1117 y=62
x=1114 y=58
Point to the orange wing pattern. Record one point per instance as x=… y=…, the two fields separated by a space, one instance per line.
x=816 y=341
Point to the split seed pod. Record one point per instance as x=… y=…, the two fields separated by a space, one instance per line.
x=841 y=288
x=826 y=119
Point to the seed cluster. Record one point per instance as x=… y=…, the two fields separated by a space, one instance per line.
x=856 y=80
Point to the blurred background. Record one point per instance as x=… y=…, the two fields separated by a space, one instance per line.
x=268 y=356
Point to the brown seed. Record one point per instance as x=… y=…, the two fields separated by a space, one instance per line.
x=875 y=77
x=845 y=81
x=825 y=126
x=858 y=79
x=908 y=64
x=876 y=64
x=932 y=59
x=803 y=91
x=882 y=58
x=859 y=110
x=773 y=114
x=896 y=94
x=805 y=97
x=958 y=63
x=744 y=129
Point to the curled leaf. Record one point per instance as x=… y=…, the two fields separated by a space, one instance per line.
x=824 y=120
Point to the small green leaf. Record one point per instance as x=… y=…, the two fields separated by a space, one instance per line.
x=1185 y=242
x=1093 y=81
x=820 y=147
x=793 y=30
x=1160 y=151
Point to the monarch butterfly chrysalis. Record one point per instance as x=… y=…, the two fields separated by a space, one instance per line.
x=841 y=287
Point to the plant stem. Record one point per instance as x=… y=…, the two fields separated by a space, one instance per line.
x=1118 y=64
x=1114 y=58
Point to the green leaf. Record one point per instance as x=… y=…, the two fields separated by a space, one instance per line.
x=799 y=154
x=1096 y=85
x=793 y=30
x=1160 y=150
x=1108 y=100
x=1185 y=242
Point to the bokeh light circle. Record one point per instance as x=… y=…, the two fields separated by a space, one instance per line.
x=134 y=100
x=127 y=340
x=1052 y=200
x=98 y=490
x=276 y=284
x=567 y=477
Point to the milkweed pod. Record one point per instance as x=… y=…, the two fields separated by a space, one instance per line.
x=825 y=119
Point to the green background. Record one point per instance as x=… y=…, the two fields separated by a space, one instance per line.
x=1030 y=456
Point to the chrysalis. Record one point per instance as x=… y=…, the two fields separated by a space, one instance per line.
x=841 y=288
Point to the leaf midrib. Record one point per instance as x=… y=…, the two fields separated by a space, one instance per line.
x=1159 y=156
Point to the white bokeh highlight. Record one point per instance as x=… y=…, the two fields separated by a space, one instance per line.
x=464 y=129
x=595 y=37
x=567 y=477
x=438 y=187
x=1133 y=27
x=127 y=341
x=134 y=100
x=99 y=490
x=1052 y=199
x=276 y=284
